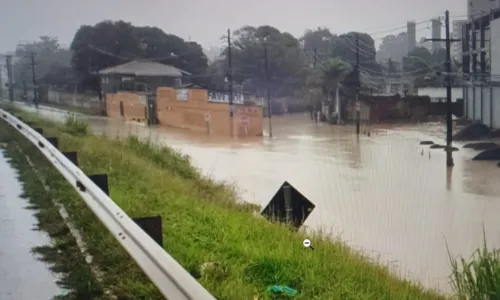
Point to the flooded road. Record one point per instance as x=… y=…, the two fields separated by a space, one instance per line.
x=379 y=193
x=22 y=276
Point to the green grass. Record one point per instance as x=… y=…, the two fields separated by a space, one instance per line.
x=203 y=223
x=477 y=277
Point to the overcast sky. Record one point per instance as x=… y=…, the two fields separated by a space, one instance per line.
x=205 y=21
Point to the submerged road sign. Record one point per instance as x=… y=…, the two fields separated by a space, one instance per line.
x=288 y=206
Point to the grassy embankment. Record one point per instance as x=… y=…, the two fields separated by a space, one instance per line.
x=202 y=223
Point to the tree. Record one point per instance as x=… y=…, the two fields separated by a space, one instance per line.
x=325 y=80
x=393 y=47
x=319 y=41
x=110 y=43
x=344 y=47
x=285 y=61
x=422 y=65
x=52 y=63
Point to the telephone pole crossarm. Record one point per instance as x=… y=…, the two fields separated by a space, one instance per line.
x=443 y=40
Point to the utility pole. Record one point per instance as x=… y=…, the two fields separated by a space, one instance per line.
x=9 y=77
x=230 y=84
x=315 y=51
x=35 y=92
x=1 y=84
x=358 y=84
x=449 y=123
x=268 y=94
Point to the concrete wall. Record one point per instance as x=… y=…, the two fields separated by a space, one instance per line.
x=192 y=111
x=482 y=103
x=134 y=107
x=438 y=94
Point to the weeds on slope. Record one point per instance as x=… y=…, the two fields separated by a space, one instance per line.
x=479 y=276
x=203 y=224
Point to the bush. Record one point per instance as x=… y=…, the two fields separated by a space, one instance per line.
x=74 y=126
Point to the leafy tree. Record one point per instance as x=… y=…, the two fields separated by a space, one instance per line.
x=324 y=81
x=393 y=47
x=425 y=66
x=52 y=63
x=318 y=41
x=344 y=47
x=286 y=65
x=112 y=43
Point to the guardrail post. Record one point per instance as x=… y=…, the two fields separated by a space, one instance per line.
x=72 y=156
x=38 y=129
x=53 y=141
x=101 y=180
x=153 y=227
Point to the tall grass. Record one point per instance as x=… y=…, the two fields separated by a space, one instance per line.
x=75 y=126
x=477 y=278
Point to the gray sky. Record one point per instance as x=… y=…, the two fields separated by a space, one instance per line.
x=205 y=21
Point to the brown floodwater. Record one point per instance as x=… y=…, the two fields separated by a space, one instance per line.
x=383 y=193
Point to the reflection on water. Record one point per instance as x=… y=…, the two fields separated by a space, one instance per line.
x=21 y=275
x=382 y=192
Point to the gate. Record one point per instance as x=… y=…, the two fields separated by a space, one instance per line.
x=151 y=110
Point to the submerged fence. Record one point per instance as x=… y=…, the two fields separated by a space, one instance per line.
x=163 y=270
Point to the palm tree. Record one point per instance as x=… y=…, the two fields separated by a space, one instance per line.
x=325 y=81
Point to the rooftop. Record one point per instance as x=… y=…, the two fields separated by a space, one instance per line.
x=144 y=68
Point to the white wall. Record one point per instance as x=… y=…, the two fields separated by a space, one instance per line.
x=440 y=92
x=495 y=50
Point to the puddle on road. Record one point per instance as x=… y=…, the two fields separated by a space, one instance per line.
x=385 y=193
x=22 y=276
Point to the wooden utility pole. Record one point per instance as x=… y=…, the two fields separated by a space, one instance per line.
x=9 y=77
x=449 y=122
x=268 y=93
x=35 y=92
x=230 y=84
x=358 y=85
x=1 y=84
x=315 y=53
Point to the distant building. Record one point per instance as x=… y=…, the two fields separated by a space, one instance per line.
x=436 y=34
x=395 y=86
x=456 y=47
x=477 y=8
x=438 y=94
x=140 y=75
x=481 y=67
x=411 y=31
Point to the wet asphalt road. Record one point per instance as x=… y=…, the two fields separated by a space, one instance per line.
x=22 y=276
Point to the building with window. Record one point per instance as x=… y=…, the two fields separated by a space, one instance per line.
x=478 y=8
x=481 y=65
x=456 y=47
x=141 y=76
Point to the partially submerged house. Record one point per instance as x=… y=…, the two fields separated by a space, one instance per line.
x=141 y=76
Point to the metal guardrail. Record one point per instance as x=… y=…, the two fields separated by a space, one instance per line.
x=163 y=270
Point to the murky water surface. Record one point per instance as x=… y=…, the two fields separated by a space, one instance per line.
x=22 y=276
x=383 y=193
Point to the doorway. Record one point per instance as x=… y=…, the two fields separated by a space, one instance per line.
x=152 y=114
